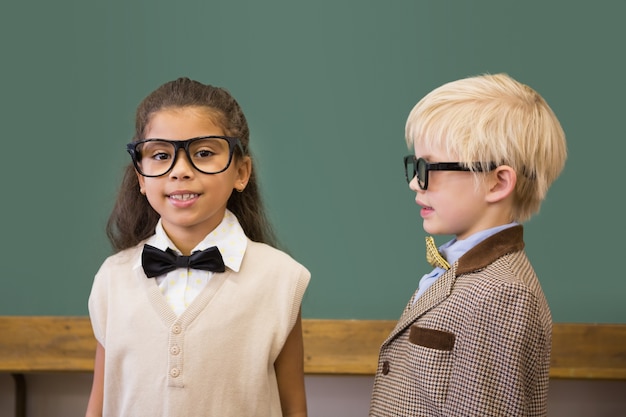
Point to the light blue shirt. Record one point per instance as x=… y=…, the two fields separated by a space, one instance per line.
x=452 y=251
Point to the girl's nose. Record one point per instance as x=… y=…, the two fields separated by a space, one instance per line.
x=182 y=166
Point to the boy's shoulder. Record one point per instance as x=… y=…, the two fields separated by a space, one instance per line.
x=499 y=264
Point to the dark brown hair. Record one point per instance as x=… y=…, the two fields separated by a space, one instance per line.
x=133 y=219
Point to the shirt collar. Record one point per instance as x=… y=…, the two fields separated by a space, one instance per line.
x=454 y=249
x=228 y=236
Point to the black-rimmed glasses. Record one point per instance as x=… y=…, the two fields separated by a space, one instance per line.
x=418 y=167
x=207 y=154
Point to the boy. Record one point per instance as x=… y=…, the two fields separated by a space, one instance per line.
x=475 y=338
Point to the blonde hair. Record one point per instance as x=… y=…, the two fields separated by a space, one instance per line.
x=494 y=119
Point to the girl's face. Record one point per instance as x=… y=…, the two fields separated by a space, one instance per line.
x=191 y=204
x=454 y=203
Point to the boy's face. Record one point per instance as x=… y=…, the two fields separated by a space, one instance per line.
x=454 y=203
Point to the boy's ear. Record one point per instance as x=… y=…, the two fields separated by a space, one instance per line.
x=501 y=183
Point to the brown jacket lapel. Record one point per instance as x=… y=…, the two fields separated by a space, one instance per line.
x=438 y=292
x=481 y=255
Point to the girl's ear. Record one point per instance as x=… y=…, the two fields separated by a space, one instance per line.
x=142 y=181
x=501 y=183
x=244 y=170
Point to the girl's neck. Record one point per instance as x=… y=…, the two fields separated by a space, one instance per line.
x=186 y=240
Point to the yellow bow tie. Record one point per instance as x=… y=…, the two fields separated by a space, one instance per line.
x=433 y=256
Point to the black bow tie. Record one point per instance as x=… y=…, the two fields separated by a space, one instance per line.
x=155 y=262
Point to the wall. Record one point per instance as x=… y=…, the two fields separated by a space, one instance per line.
x=326 y=86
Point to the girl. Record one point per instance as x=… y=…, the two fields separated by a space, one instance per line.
x=196 y=314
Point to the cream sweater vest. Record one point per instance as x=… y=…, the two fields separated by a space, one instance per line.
x=216 y=359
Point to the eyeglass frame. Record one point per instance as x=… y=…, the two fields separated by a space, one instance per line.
x=440 y=166
x=233 y=143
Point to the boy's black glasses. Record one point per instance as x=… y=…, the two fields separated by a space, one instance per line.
x=418 y=167
x=207 y=154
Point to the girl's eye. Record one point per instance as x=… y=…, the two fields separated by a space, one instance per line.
x=161 y=156
x=156 y=151
x=203 y=153
x=208 y=148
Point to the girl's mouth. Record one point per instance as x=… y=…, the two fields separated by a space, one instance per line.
x=183 y=197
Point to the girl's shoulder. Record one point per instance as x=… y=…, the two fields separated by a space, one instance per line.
x=263 y=249
x=261 y=252
x=125 y=256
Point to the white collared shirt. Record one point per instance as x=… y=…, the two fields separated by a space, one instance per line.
x=181 y=286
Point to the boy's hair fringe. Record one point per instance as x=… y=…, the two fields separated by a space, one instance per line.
x=494 y=118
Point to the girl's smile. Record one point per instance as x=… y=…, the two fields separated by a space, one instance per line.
x=182 y=199
x=190 y=203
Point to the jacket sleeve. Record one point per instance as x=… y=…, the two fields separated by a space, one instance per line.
x=500 y=356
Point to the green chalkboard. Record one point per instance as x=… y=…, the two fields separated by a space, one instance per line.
x=326 y=86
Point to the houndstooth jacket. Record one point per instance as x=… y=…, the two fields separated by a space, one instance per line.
x=476 y=343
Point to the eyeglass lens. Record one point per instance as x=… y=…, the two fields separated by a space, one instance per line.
x=207 y=155
x=414 y=167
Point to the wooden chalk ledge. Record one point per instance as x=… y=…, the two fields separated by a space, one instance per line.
x=66 y=344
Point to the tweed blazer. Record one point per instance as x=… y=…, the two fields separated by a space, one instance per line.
x=476 y=343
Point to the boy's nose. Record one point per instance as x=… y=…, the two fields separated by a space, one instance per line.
x=413 y=185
